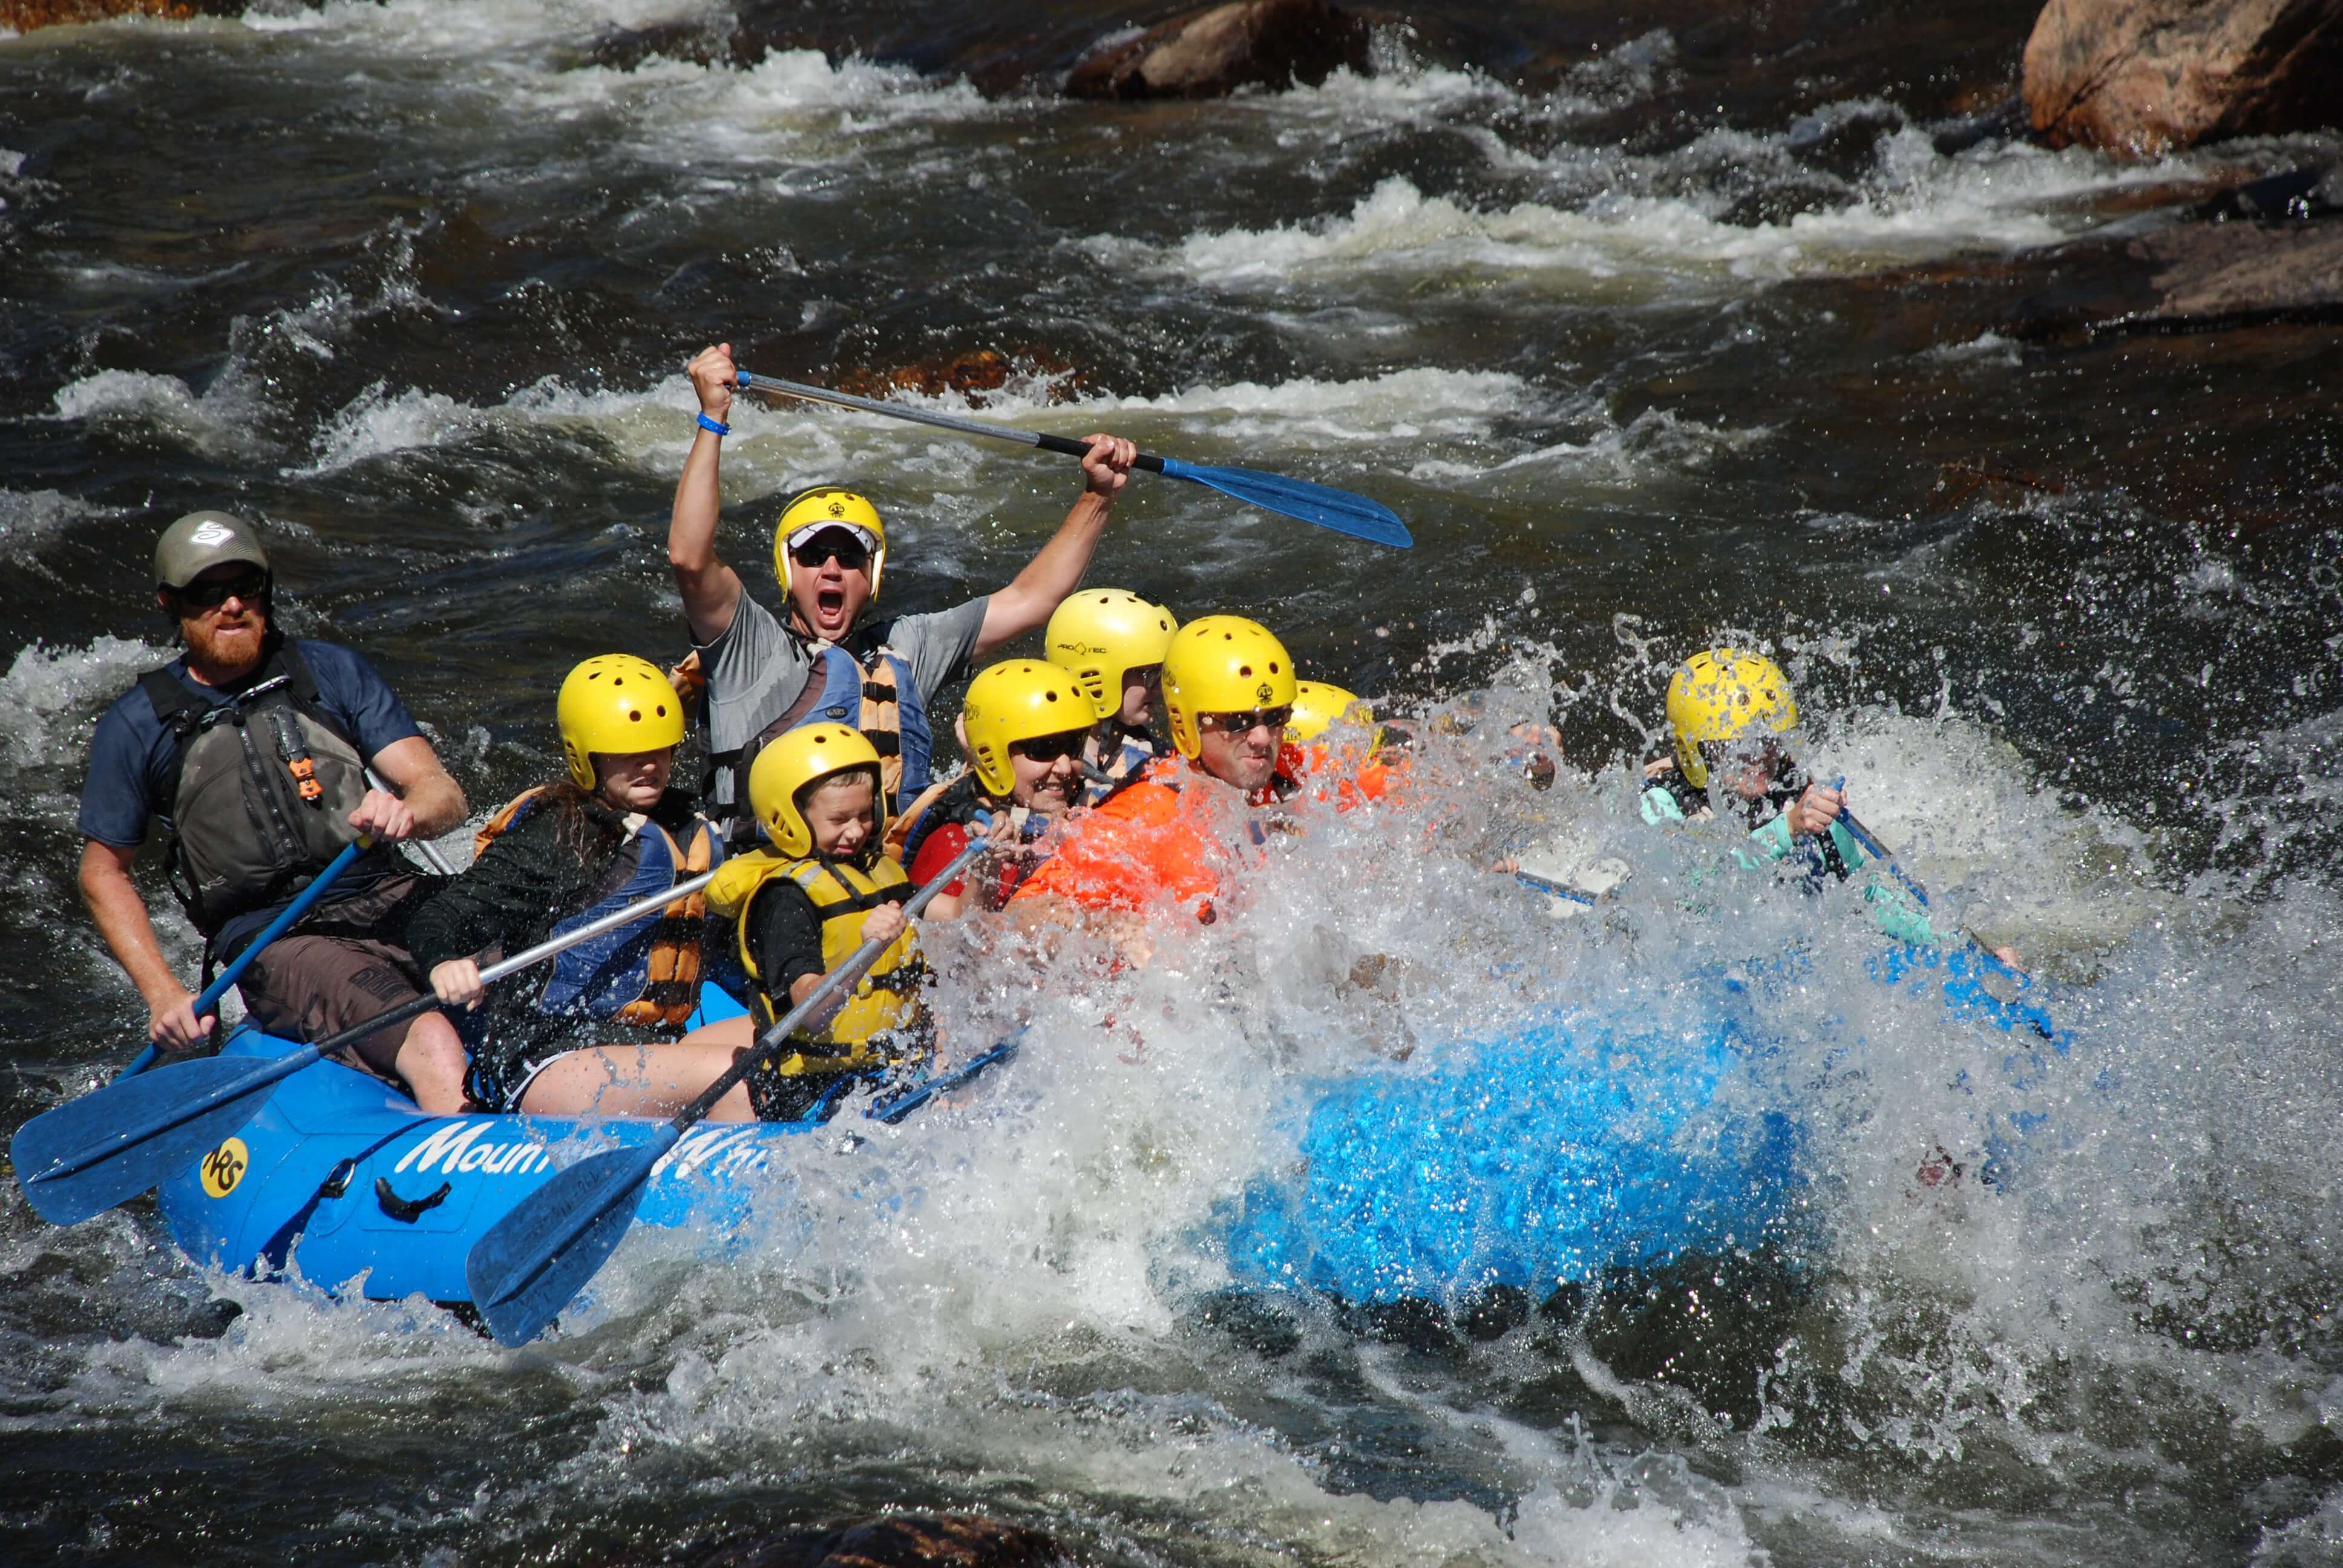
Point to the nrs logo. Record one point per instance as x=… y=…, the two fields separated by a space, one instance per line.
x=224 y=1167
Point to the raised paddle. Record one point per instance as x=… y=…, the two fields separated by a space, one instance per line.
x=533 y=1262
x=113 y=1144
x=301 y=905
x=1319 y=504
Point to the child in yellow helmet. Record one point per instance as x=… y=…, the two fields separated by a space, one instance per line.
x=1732 y=713
x=803 y=907
x=609 y=834
x=1113 y=642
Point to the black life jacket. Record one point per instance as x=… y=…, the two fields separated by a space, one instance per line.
x=262 y=784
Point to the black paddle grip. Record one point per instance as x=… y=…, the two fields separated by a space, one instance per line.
x=1073 y=449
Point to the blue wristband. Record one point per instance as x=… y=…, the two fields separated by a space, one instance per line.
x=708 y=424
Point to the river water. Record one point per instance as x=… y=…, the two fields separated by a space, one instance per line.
x=1656 y=334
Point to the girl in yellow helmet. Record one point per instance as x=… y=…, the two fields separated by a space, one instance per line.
x=607 y=834
x=1026 y=725
x=803 y=907
x=1732 y=714
x=1113 y=642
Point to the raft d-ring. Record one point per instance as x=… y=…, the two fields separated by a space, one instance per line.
x=406 y=1211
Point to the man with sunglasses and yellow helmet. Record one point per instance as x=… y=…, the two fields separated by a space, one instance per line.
x=1172 y=837
x=819 y=661
x=1026 y=725
x=1732 y=713
x=803 y=907
x=1113 y=642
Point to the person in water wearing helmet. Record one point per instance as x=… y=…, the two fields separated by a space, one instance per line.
x=254 y=750
x=607 y=834
x=821 y=661
x=1732 y=713
x=1358 y=760
x=1113 y=642
x=1025 y=725
x=804 y=906
x=1172 y=837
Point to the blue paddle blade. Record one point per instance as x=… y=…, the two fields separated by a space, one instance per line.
x=895 y=1107
x=1321 y=504
x=116 y=1143
x=533 y=1262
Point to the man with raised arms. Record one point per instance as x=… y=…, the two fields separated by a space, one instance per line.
x=252 y=749
x=822 y=662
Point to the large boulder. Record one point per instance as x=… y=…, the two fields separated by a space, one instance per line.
x=2145 y=77
x=1211 y=53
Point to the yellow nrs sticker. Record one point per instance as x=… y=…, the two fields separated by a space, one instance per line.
x=225 y=1166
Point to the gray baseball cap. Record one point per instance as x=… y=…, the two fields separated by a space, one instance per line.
x=202 y=540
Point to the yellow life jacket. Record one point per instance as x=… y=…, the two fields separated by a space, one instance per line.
x=645 y=974
x=886 y=998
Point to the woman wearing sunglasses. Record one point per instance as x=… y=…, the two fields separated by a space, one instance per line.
x=1025 y=724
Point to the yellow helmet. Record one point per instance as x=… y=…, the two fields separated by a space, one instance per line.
x=1221 y=664
x=826 y=505
x=1318 y=705
x=618 y=704
x=808 y=755
x=1722 y=695
x=1020 y=699
x=1104 y=634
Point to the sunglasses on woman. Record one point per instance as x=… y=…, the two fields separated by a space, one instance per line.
x=1050 y=748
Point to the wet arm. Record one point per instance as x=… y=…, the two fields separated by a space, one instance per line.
x=710 y=589
x=412 y=771
x=122 y=920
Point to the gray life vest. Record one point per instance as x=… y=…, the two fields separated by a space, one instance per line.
x=262 y=789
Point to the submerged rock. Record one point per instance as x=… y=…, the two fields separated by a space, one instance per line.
x=24 y=15
x=970 y=375
x=1211 y=53
x=908 y=1541
x=2265 y=253
x=2145 y=76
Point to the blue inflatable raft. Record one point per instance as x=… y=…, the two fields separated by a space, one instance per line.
x=347 y=1180
x=1576 y=1150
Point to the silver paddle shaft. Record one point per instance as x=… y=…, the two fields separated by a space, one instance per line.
x=1063 y=444
x=592 y=929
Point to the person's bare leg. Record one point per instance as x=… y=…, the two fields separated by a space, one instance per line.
x=635 y=1080
x=732 y=1033
x=431 y=1060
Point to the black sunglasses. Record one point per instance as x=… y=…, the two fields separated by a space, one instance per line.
x=1246 y=722
x=844 y=547
x=211 y=594
x=1050 y=748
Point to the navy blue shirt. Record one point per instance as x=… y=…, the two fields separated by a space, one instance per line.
x=130 y=758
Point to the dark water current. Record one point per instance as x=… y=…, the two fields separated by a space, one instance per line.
x=1658 y=325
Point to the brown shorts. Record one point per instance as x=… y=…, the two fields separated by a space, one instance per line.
x=307 y=987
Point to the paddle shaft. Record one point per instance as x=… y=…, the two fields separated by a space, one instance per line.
x=836 y=980
x=1062 y=444
x=1878 y=851
x=1559 y=889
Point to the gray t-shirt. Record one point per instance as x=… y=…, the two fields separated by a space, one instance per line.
x=756 y=668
